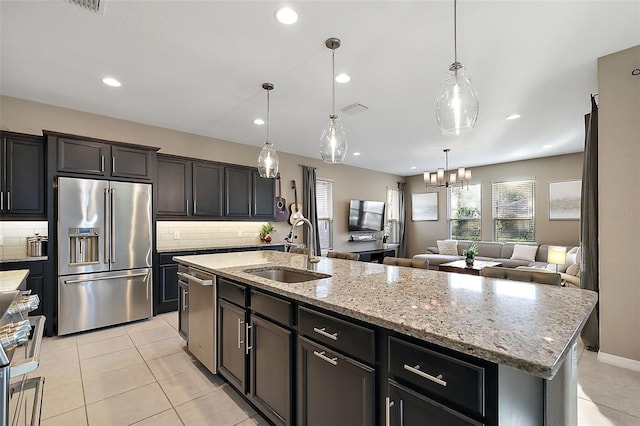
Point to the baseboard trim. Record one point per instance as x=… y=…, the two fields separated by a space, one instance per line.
x=618 y=361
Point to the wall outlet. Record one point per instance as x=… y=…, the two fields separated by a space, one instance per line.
x=239 y=233
x=176 y=235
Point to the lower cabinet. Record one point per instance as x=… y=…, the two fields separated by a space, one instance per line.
x=408 y=408
x=255 y=354
x=333 y=389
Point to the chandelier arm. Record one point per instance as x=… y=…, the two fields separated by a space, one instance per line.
x=455 y=31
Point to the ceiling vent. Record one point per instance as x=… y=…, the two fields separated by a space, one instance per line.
x=354 y=109
x=92 y=5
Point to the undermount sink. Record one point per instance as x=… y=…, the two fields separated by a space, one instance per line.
x=285 y=275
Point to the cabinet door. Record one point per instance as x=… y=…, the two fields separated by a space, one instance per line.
x=173 y=186
x=264 y=196
x=270 y=373
x=25 y=178
x=207 y=189
x=130 y=162
x=237 y=182
x=87 y=157
x=231 y=344
x=333 y=389
x=168 y=296
x=408 y=408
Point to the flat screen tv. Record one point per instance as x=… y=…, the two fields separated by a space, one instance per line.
x=366 y=216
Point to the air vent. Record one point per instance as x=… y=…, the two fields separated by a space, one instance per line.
x=92 y=5
x=354 y=109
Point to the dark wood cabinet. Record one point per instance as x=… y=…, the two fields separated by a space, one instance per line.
x=207 y=189
x=332 y=388
x=22 y=177
x=173 y=186
x=105 y=159
x=237 y=182
x=232 y=341
x=165 y=289
x=409 y=408
x=270 y=369
x=263 y=202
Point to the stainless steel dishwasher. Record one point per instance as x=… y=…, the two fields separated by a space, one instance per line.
x=202 y=315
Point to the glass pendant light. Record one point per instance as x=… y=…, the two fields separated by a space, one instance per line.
x=268 y=161
x=458 y=104
x=333 y=142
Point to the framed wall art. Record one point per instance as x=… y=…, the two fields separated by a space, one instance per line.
x=564 y=200
x=424 y=206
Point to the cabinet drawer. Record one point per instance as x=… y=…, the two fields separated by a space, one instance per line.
x=235 y=293
x=349 y=338
x=274 y=308
x=440 y=375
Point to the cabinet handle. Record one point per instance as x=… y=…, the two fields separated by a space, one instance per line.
x=1 y=200
x=185 y=294
x=247 y=339
x=322 y=331
x=102 y=163
x=8 y=200
x=187 y=205
x=321 y=355
x=416 y=370
x=240 y=342
x=195 y=206
x=387 y=411
x=401 y=413
x=113 y=164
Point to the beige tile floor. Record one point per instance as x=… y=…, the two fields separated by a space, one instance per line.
x=140 y=374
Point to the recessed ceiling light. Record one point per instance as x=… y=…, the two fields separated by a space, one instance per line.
x=413 y=167
x=513 y=116
x=547 y=146
x=356 y=153
x=343 y=78
x=286 y=16
x=258 y=121
x=110 y=81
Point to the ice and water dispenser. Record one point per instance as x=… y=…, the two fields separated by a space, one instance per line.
x=84 y=246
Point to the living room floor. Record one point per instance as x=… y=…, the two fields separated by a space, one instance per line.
x=141 y=374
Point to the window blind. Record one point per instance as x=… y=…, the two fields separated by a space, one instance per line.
x=465 y=212
x=513 y=210
x=324 y=202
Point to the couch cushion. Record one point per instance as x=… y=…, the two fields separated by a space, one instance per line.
x=437 y=259
x=524 y=252
x=574 y=270
x=489 y=249
x=512 y=263
x=448 y=247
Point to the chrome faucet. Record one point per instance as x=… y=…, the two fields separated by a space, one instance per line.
x=311 y=239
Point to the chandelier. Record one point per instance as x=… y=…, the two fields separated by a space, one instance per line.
x=439 y=179
x=333 y=142
x=268 y=161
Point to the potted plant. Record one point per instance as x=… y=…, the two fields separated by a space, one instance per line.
x=470 y=254
x=265 y=232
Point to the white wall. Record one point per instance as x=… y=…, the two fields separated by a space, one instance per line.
x=619 y=204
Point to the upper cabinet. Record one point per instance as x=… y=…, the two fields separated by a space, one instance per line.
x=190 y=188
x=105 y=159
x=22 y=176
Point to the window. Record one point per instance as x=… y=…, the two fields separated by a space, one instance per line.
x=513 y=210
x=393 y=215
x=324 y=200
x=465 y=206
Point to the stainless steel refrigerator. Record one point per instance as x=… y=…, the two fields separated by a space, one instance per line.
x=104 y=253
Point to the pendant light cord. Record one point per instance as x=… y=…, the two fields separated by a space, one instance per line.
x=268 y=91
x=455 y=31
x=333 y=80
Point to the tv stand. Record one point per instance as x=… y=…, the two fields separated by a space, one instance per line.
x=375 y=255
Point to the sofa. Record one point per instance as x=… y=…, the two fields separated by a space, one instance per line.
x=527 y=256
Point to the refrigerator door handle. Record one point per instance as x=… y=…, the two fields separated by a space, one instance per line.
x=104 y=236
x=113 y=226
x=111 y=277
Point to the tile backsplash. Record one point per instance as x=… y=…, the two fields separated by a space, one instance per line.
x=175 y=235
x=13 y=237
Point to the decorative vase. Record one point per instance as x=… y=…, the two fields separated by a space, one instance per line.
x=267 y=238
x=469 y=261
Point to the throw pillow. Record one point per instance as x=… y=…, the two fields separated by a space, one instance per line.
x=524 y=252
x=574 y=270
x=448 y=247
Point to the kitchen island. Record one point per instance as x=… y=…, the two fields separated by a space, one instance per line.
x=517 y=340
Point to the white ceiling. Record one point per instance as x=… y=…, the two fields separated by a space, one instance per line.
x=198 y=66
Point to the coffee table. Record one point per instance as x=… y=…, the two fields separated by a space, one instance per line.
x=460 y=267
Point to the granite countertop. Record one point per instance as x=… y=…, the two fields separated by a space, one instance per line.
x=22 y=259
x=11 y=280
x=175 y=250
x=530 y=327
